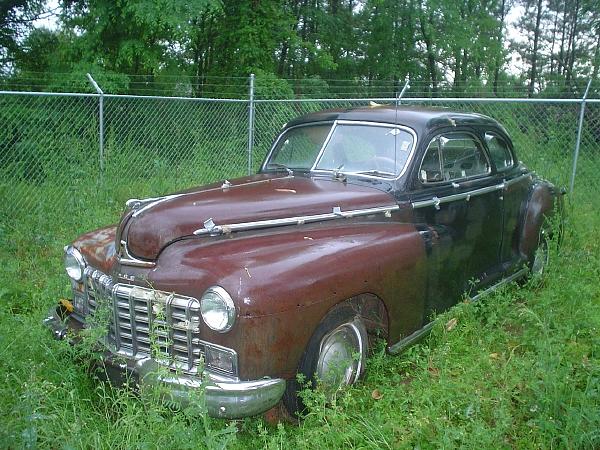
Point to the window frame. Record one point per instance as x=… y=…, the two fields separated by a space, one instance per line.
x=334 y=124
x=284 y=131
x=471 y=134
x=508 y=147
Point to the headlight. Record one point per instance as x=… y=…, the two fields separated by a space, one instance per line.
x=74 y=263
x=217 y=308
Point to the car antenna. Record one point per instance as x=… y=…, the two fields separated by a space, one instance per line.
x=398 y=99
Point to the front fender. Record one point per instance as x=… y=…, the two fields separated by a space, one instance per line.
x=285 y=281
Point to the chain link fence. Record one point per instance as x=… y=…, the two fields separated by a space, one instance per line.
x=54 y=159
x=544 y=132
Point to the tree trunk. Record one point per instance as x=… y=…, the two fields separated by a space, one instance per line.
x=430 y=55
x=534 y=54
x=597 y=56
x=499 y=55
x=561 y=59
x=572 y=45
x=553 y=43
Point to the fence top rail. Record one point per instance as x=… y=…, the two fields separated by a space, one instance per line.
x=149 y=97
x=315 y=100
x=192 y=99
x=437 y=100
x=49 y=94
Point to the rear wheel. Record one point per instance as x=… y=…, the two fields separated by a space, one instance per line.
x=334 y=357
x=541 y=257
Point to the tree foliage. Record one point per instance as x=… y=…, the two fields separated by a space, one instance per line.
x=462 y=46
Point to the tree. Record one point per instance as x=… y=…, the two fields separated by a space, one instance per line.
x=16 y=19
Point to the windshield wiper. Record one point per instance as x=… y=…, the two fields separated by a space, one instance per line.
x=280 y=166
x=373 y=172
x=338 y=174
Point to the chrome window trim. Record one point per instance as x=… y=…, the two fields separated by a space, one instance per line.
x=264 y=168
x=370 y=124
x=336 y=213
x=508 y=147
x=454 y=180
x=334 y=124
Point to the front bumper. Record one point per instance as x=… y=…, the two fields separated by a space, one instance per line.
x=224 y=397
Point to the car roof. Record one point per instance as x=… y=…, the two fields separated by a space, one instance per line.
x=421 y=119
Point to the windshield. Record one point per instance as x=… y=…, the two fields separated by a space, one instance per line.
x=353 y=148
x=299 y=147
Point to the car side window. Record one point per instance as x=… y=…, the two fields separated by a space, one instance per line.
x=453 y=156
x=499 y=152
x=431 y=167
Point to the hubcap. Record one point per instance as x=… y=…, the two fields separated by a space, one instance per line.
x=540 y=259
x=340 y=357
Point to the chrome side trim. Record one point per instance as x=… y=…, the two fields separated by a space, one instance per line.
x=415 y=337
x=411 y=339
x=435 y=201
x=515 y=276
x=298 y=220
x=512 y=181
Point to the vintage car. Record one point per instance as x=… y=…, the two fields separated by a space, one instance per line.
x=361 y=223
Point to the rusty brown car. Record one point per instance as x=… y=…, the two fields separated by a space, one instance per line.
x=360 y=223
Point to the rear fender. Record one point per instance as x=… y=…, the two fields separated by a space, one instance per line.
x=543 y=202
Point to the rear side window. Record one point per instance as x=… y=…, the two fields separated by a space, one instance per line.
x=453 y=156
x=499 y=152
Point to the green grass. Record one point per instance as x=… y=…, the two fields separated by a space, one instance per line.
x=520 y=369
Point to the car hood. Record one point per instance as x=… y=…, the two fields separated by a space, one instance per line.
x=155 y=224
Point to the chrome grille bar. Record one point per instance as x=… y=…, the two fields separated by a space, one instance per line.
x=143 y=320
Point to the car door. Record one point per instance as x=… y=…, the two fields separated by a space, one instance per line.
x=516 y=184
x=458 y=200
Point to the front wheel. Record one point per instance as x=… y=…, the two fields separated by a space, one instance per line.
x=334 y=357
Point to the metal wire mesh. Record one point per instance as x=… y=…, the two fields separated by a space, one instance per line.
x=50 y=144
x=187 y=141
x=47 y=146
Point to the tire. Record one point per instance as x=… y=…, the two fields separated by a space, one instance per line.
x=335 y=356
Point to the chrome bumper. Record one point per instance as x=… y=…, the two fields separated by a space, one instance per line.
x=224 y=397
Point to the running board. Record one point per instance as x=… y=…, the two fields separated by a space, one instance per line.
x=515 y=276
x=415 y=337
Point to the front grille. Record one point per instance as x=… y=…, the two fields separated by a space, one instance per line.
x=145 y=322
x=158 y=323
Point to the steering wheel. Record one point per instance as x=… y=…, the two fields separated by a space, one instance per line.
x=385 y=164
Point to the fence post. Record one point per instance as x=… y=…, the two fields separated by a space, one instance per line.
x=578 y=141
x=250 y=123
x=404 y=89
x=100 y=118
